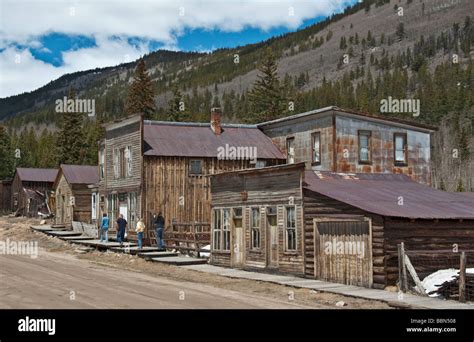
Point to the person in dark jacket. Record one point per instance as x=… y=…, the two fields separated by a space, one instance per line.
x=121 y=226
x=159 y=223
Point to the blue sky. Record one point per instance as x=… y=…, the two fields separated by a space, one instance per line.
x=54 y=37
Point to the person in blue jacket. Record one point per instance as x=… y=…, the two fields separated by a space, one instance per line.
x=104 y=228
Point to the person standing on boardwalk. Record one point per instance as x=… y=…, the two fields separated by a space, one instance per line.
x=104 y=228
x=121 y=226
x=139 y=230
x=160 y=227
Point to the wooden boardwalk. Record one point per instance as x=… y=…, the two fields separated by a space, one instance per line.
x=179 y=260
x=391 y=298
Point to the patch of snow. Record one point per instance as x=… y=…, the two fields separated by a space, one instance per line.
x=206 y=254
x=433 y=281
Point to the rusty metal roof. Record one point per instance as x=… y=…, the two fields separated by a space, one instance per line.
x=391 y=195
x=80 y=174
x=36 y=175
x=198 y=140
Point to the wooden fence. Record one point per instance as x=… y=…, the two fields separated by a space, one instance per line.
x=188 y=238
x=415 y=266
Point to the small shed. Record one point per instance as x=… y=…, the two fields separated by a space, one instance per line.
x=30 y=189
x=337 y=227
x=73 y=194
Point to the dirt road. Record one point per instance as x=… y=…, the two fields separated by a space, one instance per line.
x=60 y=277
x=51 y=282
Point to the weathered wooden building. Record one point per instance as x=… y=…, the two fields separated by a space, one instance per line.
x=72 y=193
x=30 y=189
x=148 y=167
x=340 y=227
x=340 y=140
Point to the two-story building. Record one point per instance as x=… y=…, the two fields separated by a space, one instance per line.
x=147 y=167
x=355 y=186
x=340 y=140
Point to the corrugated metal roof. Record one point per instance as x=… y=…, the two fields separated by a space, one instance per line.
x=381 y=194
x=363 y=115
x=198 y=140
x=80 y=174
x=36 y=175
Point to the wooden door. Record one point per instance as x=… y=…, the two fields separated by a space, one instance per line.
x=343 y=250
x=237 y=240
x=272 y=238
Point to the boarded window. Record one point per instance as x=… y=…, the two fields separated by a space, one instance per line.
x=217 y=230
x=316 y=148
x=290 y=150
x=255 y=228
x=195 y=167
x=400 y=150
x=364 y=147
x=290 y=229
x=122 y=163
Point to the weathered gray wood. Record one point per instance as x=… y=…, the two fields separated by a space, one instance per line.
x=411 y=269
x=404 y=269
x=462 y=278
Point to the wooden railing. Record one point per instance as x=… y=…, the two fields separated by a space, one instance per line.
x=188 y=238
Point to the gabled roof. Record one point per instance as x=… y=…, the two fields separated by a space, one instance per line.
x=36 y=175
x=80 y=174
x=389 y=120
x=391 y=195
x=198 y=140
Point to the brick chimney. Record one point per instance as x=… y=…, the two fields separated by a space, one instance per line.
x=216 y=121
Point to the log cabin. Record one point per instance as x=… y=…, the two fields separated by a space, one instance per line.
x=147 y=167
x=338 y=227
x=30 y=189
x=72 y=193
x=341 y=140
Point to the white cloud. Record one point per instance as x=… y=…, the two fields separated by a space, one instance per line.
x=22 y=22
x=21 y=72
x=152 y=19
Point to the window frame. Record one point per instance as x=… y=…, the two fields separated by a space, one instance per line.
x=191 y=173
x=255 y=229
x=226 y=229
x=128 y=161
x=260 y=164
x=405 y=149
x=102 y=163
x=287 y=229
x=217 y=230
x=313 y=139
x=367 y=133
x=116 y=162
x=292 y=141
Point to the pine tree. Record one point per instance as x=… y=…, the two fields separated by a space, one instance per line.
x=176 y=105
x=70 y=137
x=140 y=98
x=460 y=187
x=400 y=31
x=6 y=155
x=266 y=97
